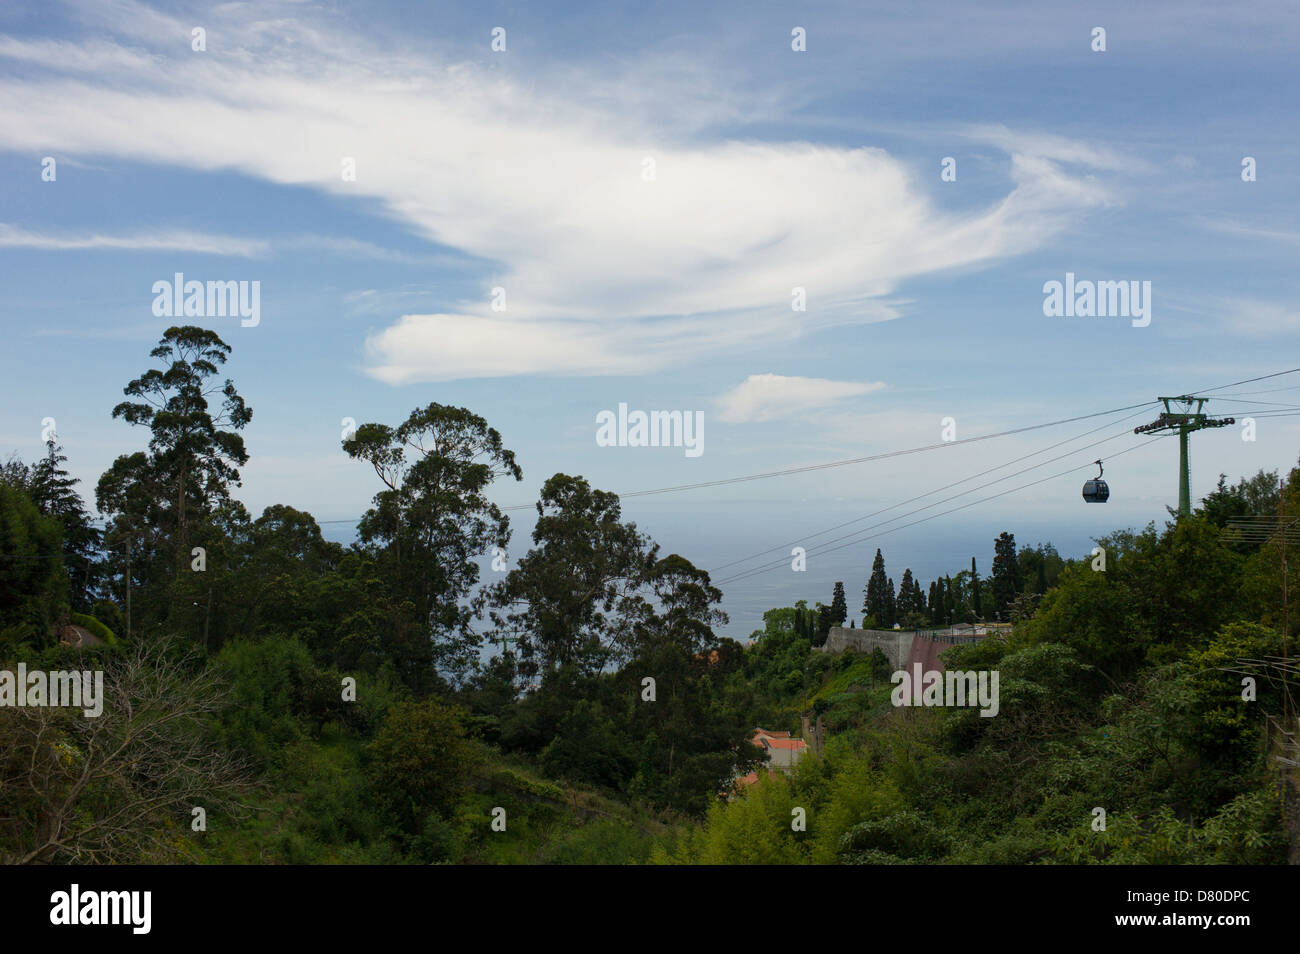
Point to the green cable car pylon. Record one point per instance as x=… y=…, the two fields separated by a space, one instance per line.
x=1190 y=418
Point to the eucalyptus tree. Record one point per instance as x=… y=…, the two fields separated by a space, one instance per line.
x=573 y=599
x=428 y=526
x=157 y=500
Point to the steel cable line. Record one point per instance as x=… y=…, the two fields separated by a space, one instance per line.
x=857 y=460
x=883 y=523
x=1262 y=377
x=1295 y=387
x=818 y=552
x=930 y=493
x=1271 y=414
x=808 y=468
x=883 y=456
x=1265 y=412
x=1224 y=397
x=759 y=570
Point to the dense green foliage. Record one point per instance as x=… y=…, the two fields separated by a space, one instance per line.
x=349 y=704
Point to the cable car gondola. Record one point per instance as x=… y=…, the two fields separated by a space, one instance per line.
x=1095 y=490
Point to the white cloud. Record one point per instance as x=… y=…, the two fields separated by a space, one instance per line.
x=1057 y=148
x=765 y=397
x=448 y=347
x=1289 y=236
x=605 y=273
x=14 y=237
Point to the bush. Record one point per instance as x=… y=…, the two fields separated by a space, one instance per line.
x=420 y=762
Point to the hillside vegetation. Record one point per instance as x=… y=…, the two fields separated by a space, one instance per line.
x=272 y=697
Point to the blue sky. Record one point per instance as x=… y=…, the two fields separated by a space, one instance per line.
x=773 y=169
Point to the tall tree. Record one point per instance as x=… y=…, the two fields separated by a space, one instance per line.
x=430 y=524
x=874 y=604
x=839 y=606
x=193 y=453
x=687 y=744
x=891 y=604
x=912 y=602
x=569 y=599
x=157 y=500
x=1006 y=573
x=52 y=489
x=976 y=602
x=683 y=610
x=906 y=598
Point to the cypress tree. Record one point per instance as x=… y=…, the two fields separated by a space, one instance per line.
x=875 y=604
x=908 y=592
x=839 y=606
x=1006 y=573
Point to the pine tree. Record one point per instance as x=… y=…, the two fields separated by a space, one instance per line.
x=839 y=606
x=875 y=604
x=949 y=601
x=936 y=600
x=891 y=605
x=975 y=601
x=52 y=490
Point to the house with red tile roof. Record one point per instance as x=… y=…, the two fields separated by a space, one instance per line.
x=782 y=751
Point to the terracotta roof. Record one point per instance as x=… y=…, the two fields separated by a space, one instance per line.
x=776 y=740
x=793 y=745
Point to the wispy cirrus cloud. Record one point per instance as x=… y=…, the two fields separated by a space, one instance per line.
x=606 y=270
x=165 y=240
x=1241 y=230
x=1260 y=319
x=1057 y=148
x=175 y=241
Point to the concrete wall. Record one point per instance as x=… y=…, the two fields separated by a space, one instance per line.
x=896 y=644
x=902 y=646
x=783 y=758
